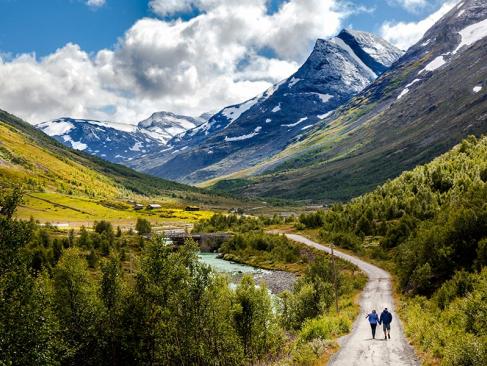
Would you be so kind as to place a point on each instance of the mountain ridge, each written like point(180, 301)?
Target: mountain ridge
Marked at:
point(244, 134)
point(429, 100)
point(117, 142)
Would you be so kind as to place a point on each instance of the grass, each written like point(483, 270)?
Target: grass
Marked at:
point(63, 185)
point(26, 162)
point(55, 207)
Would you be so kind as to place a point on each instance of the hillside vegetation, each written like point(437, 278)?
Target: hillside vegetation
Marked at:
point(62, 183)
point(430, 224)
point(103, 296)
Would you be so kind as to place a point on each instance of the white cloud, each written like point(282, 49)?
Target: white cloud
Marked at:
point(95, 3)
point(229, 53)
point(168, 7)
point(404, 35)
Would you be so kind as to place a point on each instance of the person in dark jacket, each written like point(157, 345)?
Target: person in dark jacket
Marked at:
point(385, 320)
point(373, 320)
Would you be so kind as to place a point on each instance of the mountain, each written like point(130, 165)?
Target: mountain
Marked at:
point(429, 100)
point(163, 126)
point(245, 134)
point(100, 139)
point(61, 181)
point(116, 142)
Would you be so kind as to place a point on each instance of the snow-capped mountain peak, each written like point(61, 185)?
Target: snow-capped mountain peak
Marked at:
point(242, 134)
point(165, 125)
point(115, 142)
point(118, 142)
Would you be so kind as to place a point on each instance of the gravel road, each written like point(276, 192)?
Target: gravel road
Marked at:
point(358, 348)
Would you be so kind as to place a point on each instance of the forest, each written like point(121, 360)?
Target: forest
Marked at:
point(103, 296)
point(428, 226)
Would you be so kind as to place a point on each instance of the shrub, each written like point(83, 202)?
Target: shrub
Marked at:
point(312, 220)
point(101, 227)
point(343, 240)
point(324, 327)
point(143, 227)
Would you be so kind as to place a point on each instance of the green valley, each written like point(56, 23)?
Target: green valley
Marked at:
point(181, 186)
point(63, 185)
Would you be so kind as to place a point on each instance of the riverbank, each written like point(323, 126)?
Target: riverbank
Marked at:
point(275, 280)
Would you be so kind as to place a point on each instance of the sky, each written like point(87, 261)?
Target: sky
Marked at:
point(122, 60)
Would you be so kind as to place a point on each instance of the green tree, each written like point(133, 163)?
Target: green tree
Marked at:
point(111, 295)
point(255, 322)
point(77, 307)
point(29, 333)
point(103, 226)
point(143, 227)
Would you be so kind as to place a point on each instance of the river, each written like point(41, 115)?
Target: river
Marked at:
point(276, 281)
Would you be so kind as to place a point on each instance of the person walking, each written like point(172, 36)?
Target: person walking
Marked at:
point(373, 320)
point(385, 320)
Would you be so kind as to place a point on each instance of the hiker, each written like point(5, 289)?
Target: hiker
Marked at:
point(385, 320)
point(373, 320)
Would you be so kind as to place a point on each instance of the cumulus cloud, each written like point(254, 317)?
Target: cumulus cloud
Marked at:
point(232, 51)
point(405, 34)
point(169, 7)
point(95, 3)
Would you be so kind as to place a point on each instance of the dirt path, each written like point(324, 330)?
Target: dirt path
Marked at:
point(358, 348)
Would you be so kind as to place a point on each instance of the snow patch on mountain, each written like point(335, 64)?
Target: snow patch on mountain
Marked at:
point(277, 108)
point(244, 137)
point(293, 82)
point(435, 64)
point(296, 123)
point(413, 82)
point(55, 129)
point(137, 146)
point(325, 98)
point(403, 93)
point(471, 34)
point(406, 88)
point(75, 144)
point(327, 114)
point(232, 113)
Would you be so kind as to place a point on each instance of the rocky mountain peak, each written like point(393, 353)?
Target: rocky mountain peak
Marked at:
point(374, 51)
point(166, 125)
point(243, 134)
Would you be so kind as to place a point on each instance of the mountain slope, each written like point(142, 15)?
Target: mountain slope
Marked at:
point(430, 99)
point(429, 225)
point(243, 135)
point(67, 184)
point(100, 139)
point(119, 143)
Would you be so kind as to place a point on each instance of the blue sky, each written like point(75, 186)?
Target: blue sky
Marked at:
point(121, 60)
point(44, 26)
